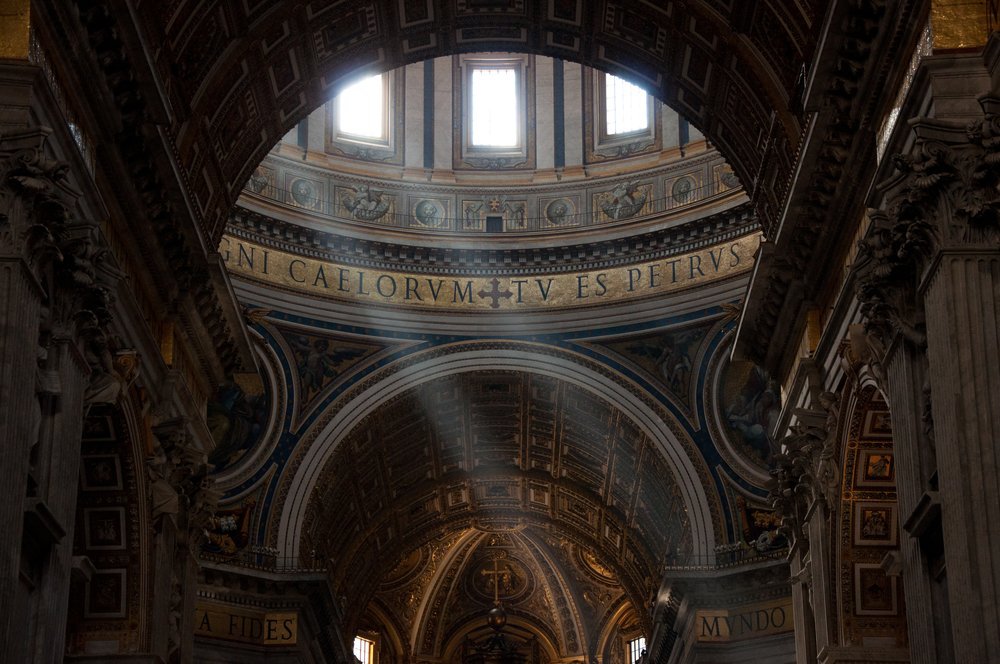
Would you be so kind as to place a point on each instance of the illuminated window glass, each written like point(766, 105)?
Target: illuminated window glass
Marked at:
point(635, 648)
point(361, 109)
point(364, 650)
point(626, 106)
point(494, 107)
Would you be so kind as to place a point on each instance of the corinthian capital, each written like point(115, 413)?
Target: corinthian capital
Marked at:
point(888, 269)
point(33, 190)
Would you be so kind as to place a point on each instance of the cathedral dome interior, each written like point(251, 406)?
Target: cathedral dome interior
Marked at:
point(499, 331)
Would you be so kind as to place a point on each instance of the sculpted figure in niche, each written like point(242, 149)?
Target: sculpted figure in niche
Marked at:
point(163, 498)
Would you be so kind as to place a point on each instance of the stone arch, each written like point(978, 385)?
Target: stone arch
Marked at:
point(865, 527)
point(732, 68)
point(687, 469)
point(113, 533)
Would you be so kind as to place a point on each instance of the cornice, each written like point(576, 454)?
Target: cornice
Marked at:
point(863, 53)
point(156, 199)
point(377, 254)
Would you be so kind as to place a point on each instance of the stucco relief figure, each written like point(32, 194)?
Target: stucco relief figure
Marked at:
point(470, 215)
point(228, 531)
point(318, 362)
point(754, 410)
point(258, 181)
point(366, 204)
point(624, 201)
point(675, 363)
point(516, 215)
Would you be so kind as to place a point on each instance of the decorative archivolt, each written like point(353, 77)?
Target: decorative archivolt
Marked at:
point(317, 445)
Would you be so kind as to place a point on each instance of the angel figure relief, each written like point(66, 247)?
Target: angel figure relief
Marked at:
point(366, 204)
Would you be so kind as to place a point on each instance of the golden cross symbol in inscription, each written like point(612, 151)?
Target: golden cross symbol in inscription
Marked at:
point(496, 574)
point(495, 294)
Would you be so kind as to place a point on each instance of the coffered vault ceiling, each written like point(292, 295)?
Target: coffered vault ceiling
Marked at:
point(497, 451)
point(234, 77)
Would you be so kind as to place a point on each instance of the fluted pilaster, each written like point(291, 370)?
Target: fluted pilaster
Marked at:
point(963, 339)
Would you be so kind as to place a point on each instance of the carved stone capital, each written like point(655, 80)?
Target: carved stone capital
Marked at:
point(179, 484)
point(69, 262)
point(944, 195)
point(888, 270)
point(806, 468)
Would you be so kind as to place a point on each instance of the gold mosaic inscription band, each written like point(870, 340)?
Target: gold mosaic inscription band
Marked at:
point(532, 291)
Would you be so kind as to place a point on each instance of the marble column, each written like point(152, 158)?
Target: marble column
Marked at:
point(53, 316)
point(927, 617)
point(822, 598)
point(58, 466)
point(892, 347)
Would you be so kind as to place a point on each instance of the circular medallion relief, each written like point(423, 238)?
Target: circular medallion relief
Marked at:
point(681, 191)
point(304, 193)
point(749, 401)
point(506, 575)
point(559, 211)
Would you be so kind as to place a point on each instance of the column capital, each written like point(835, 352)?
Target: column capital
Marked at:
point(806, 470)
point(944, 196)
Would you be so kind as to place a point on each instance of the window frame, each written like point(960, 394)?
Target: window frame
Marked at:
point(520, 155)
point(386, 149)
point(370, 638)
point(386, 136)
point(607, 136)
point(599, 145)
point(633, 656)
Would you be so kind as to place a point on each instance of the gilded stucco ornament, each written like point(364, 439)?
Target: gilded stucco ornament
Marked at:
point(625, 200)
point(366, 204)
